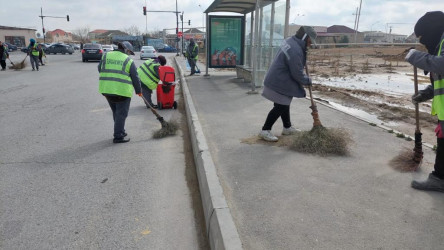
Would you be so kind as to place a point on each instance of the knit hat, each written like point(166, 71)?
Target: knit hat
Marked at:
point(429, 29)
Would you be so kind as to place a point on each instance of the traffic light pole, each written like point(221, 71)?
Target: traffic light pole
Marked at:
point(43, 27)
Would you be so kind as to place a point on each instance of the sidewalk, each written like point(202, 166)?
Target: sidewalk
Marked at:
point(281, 199)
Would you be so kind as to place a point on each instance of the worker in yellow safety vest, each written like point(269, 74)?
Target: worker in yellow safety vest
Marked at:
point(117, 82)
point(430, 31)
point(33, 54)
point(191, 54)
point(149, 76)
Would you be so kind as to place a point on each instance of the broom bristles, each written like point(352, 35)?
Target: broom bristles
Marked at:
point(322, 141)
point(168, 128)
point(404, 162)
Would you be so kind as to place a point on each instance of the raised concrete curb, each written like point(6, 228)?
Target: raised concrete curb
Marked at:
point(221, 231)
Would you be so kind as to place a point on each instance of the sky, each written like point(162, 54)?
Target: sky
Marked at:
point(381, 15)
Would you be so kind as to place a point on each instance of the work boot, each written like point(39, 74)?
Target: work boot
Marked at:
point(268, 136)
point(121, 140)
point(433, 183)
point(290, 131)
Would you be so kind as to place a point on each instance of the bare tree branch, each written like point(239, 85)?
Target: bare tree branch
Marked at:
point(81, 34)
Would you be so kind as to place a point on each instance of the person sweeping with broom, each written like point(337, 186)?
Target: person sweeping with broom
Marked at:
point(430, 30)
point(149, 76)
point(286, 79)
point(118, 80)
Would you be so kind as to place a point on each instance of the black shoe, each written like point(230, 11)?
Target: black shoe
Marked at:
point(433, 183)
point(152, 105)
point(191, 74)
point(121, 140)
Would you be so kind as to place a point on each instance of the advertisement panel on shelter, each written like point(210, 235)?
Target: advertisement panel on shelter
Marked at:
point(226, 41)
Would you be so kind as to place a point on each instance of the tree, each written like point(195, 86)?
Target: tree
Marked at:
point(81, 34)
point(133, 30)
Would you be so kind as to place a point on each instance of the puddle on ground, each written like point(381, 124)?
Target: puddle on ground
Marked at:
point(390, 83)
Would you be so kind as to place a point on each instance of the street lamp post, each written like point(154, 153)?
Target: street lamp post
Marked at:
point(43, 27)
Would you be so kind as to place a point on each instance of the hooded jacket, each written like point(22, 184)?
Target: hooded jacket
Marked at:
point(286, 74)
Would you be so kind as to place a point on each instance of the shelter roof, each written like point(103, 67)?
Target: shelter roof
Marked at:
point(240, 6)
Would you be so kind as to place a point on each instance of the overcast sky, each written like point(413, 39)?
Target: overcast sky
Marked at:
point(401, 15)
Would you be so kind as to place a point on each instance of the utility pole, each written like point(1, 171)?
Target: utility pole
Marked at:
point(181, 19)
point(177, 31)
point(43, 27)
point(357, 23)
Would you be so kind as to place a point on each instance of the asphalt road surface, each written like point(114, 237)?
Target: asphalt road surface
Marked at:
point(65, 185)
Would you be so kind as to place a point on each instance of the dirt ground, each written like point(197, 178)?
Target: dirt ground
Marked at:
point(394, 110)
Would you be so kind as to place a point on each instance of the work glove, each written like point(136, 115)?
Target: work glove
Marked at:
point(417, 98)
point(410, 54)
point(139, 94)
point(309, 83)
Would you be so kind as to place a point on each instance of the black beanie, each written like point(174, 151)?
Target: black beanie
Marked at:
point(430, 28)
point(162, 60)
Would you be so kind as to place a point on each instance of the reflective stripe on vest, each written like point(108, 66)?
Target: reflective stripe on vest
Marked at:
point(35, 52)
point(438, 95)
point(148, 75)
point(114, 74)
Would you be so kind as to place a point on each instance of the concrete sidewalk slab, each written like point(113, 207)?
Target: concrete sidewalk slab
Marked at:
point(281, 199)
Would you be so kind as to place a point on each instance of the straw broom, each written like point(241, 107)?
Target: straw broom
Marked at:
point(168, 128)
point(408, 160)
point(20, 65)
point(319, 139)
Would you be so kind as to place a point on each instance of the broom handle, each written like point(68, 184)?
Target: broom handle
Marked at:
point(415, 77)
point(10, 61)
point(152, 109)
point(309, 89)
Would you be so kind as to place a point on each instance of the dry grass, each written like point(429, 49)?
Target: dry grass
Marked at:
point(168, 128)
point(18, 66)
point(404, 161)
point(322, 141)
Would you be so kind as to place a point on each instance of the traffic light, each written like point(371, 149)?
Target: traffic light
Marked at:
point(144, 10)
point(67, 18)
point(189, 22)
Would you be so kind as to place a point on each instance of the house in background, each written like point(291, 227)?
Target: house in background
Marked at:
point(332, 34)
point(59, 36)
point(381, 37)
point(17, 36)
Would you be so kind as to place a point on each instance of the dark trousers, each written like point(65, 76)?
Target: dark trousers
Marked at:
point(277, 111)
point(439, 160)
point(3, 63)
point(40, 58)
point(120, 107)
point(34, 61)
point(192, 63)
point(146, 92)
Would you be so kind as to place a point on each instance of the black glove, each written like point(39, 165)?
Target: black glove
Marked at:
point(309, 83)
point(417, 98)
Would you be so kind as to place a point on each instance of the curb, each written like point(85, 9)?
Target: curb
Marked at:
point(221, 231)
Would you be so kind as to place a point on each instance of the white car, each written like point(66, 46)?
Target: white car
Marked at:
point(148, 52)
point(107, 48)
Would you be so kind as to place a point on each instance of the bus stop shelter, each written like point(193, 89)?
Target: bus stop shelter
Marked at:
point(265, 24)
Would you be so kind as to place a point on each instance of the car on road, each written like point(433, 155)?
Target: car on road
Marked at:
point(148, 52)
point(167, 48)
point(107, 48)
point(59, 48)
point(92, 51)
point(11, 47)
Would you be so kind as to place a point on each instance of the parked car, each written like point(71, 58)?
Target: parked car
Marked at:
point(107, 48)
point(167, 48)
point(92, 51)
point(11, 47)
point(59, 48)
point(148, 52)
point(115, 47)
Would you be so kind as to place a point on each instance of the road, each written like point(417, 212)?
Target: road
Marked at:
point(65, 185)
